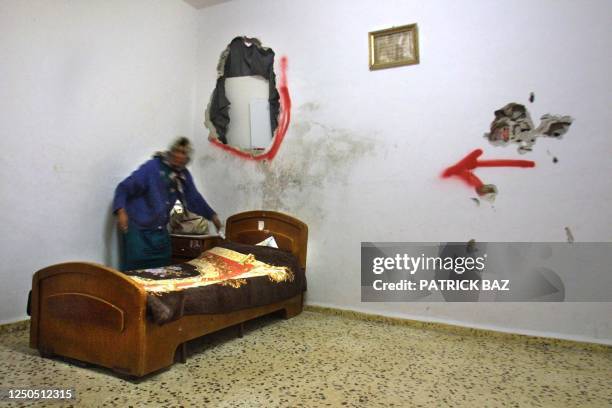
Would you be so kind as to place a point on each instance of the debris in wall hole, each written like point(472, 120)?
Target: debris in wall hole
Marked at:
point(569, 235)
point(513, 124)
point(476, 201)
point(487, 192)
point(531, 97)
point(554, 125)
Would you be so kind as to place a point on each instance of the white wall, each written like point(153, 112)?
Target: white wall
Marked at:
point(364, 150)
point(89, 90)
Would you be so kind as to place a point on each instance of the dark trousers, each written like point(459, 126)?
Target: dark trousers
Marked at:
point(145, 248)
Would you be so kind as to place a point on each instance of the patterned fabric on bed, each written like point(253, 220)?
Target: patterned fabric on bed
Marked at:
point(219, 296)
point(216, 266)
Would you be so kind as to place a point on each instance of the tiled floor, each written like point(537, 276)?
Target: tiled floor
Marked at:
point(324, 360)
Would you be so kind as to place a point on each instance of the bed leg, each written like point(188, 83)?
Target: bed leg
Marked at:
point(127, 377)
point(292, 307)
point(292, 311)
point(241, 330)
point(45, 353)
point(182, 352)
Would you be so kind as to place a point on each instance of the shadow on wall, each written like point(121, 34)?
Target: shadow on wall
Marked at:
point(111, 239)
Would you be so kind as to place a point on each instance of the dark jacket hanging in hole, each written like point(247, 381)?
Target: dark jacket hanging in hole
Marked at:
point(243, 60)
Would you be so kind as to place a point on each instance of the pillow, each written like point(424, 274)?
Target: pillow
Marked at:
point(269, 242)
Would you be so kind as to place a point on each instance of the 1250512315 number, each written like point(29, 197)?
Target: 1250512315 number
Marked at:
point(38, 393)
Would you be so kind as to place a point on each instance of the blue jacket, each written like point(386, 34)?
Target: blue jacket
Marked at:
point(147, 200)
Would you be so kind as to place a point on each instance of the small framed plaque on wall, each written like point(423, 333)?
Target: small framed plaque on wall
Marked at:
point(394, 47)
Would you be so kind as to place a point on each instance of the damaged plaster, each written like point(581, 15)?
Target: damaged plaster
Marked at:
point(568, 235)
point(487, 192)
point(513, 124)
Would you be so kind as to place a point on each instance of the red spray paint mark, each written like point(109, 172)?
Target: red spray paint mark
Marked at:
point(283, 122)
point(463, 168)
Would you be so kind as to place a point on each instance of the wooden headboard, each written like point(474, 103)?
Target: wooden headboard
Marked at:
point(252, 227)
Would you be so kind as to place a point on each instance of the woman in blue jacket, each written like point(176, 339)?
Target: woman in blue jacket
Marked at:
point(143, 202)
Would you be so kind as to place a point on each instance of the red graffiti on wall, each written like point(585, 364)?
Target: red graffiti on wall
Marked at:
point(463, 168)
point(283, 122)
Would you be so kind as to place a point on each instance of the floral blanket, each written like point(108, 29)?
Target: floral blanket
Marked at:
point(230, 277)
point(215, 266)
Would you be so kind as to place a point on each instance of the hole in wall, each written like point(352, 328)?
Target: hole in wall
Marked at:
point(247, 115)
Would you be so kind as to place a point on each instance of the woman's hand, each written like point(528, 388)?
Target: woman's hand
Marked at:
point(215, 219)
point(122, 220)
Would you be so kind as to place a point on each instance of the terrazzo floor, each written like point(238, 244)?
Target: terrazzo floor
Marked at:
point(316, 360)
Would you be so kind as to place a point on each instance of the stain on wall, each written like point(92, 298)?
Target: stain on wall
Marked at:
point(314, 155)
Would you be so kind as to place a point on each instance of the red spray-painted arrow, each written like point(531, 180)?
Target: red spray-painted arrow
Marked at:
point(463, 169)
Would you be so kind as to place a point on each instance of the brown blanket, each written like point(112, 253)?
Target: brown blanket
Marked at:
point(217, 298)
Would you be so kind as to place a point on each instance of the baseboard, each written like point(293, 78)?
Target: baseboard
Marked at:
point(419, 324)
point(463, 330)
point(15, 326)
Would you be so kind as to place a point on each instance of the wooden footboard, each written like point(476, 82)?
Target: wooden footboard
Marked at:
point(90, 313)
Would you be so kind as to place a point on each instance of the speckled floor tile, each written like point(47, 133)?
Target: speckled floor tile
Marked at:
point(318, 360)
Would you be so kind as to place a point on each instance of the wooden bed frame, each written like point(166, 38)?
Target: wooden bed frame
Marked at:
point(97, 315)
